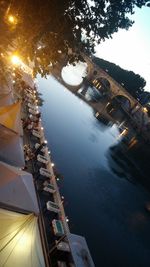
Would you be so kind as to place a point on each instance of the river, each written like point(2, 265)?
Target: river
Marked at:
point(102, 200)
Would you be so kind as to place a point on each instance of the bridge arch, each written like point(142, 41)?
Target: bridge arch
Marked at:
point(103, 85)
point(94, 72)
point(120, 101)
point(73, 74)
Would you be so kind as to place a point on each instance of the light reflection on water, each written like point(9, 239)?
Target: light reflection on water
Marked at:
point(101, 205)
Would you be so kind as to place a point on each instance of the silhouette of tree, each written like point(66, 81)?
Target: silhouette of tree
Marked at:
point(132, 82)
point(144, 98)
point(44, 29)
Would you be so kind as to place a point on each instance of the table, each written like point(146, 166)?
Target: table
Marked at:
point(45, 172)
point(37, 134)
point(33, 112)
point(42, 159)
point(43, 149)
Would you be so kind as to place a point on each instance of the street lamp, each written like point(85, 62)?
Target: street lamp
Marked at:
point(15, 60)
point(145, 110)
point(11, 19)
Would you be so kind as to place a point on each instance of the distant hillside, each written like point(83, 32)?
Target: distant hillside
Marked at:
point(132, 82)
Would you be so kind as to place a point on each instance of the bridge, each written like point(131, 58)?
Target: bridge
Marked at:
point(95, 73)
point(111, 92)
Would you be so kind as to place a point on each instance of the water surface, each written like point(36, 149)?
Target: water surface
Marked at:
point(101, 201)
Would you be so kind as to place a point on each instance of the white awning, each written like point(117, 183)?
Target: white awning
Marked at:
point(20, 243)
point(11, 147)
point(10, 117)
point(17, 189)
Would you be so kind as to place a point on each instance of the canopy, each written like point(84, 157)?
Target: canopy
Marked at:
point(11, 147)
point(17, 189)
point(20, 244)
point(10, 117)
point(6, 99)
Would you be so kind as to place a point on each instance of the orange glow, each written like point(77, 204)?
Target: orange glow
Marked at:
point(145, 110)
point(11, 19)
point(15, 60)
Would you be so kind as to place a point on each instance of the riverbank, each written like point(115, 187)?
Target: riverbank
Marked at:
point(38, 162)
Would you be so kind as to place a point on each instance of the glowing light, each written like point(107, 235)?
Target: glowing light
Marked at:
point(107, 104)
point(15, 60)
point(52, 164)
point(67, 220)
point(45, 142)
point(145, 109)
point(123, 133)
point(42, 128)
point(11, 19)
point(39, 47)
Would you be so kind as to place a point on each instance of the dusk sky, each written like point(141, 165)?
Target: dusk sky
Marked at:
point(131, 49)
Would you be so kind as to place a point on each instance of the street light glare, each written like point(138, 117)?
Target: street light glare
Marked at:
point(145, 109)
point(15, 60)
point(11, 19)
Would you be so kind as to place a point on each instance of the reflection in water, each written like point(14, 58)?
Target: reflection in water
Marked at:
point(93, 94)
point(131, 161)
point(108, 211)
point(121, 165)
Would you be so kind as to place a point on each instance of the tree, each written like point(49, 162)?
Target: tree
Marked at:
point(144, 98)
point(43, 29)
point(132, 82)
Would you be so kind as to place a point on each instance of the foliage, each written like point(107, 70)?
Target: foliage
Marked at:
point(144, 98)
point(132, 82)
point(42, 30)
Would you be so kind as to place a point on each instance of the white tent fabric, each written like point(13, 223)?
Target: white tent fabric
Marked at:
point(20, 244)
point(11, 147)
point(10, 117)
point(17, 189)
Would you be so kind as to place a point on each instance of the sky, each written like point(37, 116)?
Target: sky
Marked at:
point(131, 49)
